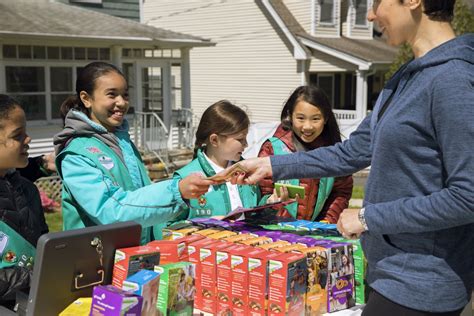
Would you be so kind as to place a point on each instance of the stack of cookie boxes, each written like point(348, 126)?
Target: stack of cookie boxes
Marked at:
point(249, 271)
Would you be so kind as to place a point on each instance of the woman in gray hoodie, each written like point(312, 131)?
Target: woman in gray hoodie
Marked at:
point(417, 223)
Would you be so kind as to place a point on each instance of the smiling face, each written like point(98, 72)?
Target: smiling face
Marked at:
point(13, 141)
point(395, 20)
point(225, 148)
point(307, 121)
point(109, 102)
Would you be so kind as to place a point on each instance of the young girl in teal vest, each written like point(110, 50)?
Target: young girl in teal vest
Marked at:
point(104, 179)
point(221, 138)
point(308, 122)
point(22, 219)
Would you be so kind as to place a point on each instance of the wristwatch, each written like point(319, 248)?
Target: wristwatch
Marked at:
point(362, 219)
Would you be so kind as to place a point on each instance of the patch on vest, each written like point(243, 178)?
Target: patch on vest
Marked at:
point(106, 162)
point(202, 201)
point(93, 150)
point(9, 256)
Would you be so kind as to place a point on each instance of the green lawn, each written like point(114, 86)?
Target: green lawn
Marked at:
point(358, 192)
point(54, 221)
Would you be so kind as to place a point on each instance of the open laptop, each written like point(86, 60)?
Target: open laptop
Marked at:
point(67, 265)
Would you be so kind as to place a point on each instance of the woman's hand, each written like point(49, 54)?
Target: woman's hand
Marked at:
point(282, 197)
point(349, 224)
point(256, 169)
point(193, 186)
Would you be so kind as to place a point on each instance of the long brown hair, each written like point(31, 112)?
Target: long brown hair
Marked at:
point(222, 118)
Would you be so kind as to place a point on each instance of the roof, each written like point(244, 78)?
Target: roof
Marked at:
point(359, 51)
point(369, 50)
point(44, 19)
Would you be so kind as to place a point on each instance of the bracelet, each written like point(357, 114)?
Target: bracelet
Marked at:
point(362, 219)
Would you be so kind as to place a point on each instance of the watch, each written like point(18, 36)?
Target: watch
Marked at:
point(362, 219)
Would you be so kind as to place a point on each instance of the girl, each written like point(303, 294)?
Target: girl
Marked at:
point(22, 220)
point(220, 141)
point(104, 179)
point(307, 122)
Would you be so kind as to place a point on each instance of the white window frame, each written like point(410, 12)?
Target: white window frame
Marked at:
point(366, 23)
point(47, 77)
point(333, 22)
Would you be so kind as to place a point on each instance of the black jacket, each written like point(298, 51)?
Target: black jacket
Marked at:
point(20, 208)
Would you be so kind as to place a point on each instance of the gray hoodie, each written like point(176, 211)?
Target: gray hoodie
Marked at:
point(419, 197)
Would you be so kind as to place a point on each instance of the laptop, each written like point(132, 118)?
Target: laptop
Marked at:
point(69, 264)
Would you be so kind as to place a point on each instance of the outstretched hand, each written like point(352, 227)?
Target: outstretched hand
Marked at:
point(256, 169)
point(194, 185)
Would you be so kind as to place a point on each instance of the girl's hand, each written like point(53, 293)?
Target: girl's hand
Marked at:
point(193, 186)
point(282, 197)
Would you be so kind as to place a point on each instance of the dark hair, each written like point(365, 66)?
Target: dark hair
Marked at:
point(438, 10)
point(315, 96)
point(7, 104)
point(86, 82)
point(223, 118)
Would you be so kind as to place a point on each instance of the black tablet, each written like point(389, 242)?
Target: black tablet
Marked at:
point(69, 264)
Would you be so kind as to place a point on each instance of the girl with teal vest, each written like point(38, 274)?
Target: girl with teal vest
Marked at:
point(308, 122)
point(220, 141)
point(104, 179)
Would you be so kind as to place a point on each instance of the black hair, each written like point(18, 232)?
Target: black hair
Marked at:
point(223, 118)
point(439, 10)
point(86, 82)
point(7, 104)
point(315, 96)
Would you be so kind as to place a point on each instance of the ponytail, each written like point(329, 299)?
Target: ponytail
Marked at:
point(73, 102)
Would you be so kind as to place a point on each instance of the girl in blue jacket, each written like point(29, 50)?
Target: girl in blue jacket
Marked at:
point(104, 179)
point(221, 138)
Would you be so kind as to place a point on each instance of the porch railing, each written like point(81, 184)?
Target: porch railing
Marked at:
point(151, 135)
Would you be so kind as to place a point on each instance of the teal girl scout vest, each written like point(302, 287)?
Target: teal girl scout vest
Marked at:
point(325, 184)
point(14, 249)
point(217, 201)
point(110, 164)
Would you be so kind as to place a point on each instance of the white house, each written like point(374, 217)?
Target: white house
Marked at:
point(266, 48)
point(43, 44)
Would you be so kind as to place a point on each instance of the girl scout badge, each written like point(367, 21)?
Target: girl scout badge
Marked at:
point(14, 249)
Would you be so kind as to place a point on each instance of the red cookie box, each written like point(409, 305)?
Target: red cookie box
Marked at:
point(171, 251)
point(240, 280)
point(224, 279)
point(287, 284)
point(128, 261)
point(203, 254)
point(258, 280)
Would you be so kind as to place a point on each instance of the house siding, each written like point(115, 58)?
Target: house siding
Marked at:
point(301, 10)
point(251, 65)
point(328, 63)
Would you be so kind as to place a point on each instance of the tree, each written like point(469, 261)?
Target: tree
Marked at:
point(462, 23)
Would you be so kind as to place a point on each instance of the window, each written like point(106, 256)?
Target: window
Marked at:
point(326, 12)
point(152, 89)
point(339, 87)
point(360, 7)
point(176, 93)
point(9, 51)
point(26, 84)
point(61, 88)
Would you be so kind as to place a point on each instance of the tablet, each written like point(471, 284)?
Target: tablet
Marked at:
point(67, 264)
